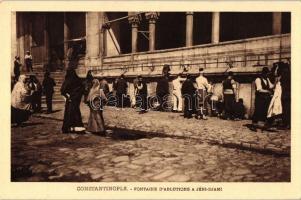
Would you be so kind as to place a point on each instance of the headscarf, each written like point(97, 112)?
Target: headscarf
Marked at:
point(19, 94)
point(94, 91)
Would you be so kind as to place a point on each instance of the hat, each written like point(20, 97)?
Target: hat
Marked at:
point(265, 70)
point(27, 51)
point(201, 69)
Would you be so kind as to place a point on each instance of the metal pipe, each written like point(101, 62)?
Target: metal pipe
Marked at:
point(121, 18)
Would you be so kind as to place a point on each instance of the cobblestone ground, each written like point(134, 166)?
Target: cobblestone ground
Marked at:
point(40, 152)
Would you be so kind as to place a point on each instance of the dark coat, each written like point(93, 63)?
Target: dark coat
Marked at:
point(73, 90)
point(48, 84)
point(121, 86)
point(17, 66)
point(162, 86)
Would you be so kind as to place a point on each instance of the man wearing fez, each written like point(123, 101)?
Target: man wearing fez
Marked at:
point(203, 87)
point(262, 98)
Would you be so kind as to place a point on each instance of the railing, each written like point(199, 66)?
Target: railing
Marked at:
point(261, 51)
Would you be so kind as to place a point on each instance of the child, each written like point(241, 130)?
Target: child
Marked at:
point(239, 109)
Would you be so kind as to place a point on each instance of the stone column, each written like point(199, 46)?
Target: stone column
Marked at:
point(21, 38)
point(189, 29)
point(66, 36)
point(277, 23)
point(46, 40)
point(26, 31)
point(215, 27)
point(134, 20)
point(93, 25)
point(152, 18)
point(14, 51)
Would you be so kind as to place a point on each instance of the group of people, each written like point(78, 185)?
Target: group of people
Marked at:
point(27, 96)
point(273, 97)
point(190, 95)
point(27, 91)
point(95, 94)
point(18, 65)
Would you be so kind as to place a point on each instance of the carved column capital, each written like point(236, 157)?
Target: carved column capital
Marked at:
point(134, 19)
point(152, 17)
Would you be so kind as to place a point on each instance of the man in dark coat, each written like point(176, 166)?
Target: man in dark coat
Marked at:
point(142, 94)
point(48, 84)
point(17, 66)
point(189, 94)
point(121, 91)
point(162, 91)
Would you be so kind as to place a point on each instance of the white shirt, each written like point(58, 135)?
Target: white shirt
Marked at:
point(176, 83)
point(202, 82)
point(259, 86)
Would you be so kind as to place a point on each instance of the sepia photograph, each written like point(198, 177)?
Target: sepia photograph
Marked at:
point(150, 100)
point(150, 96)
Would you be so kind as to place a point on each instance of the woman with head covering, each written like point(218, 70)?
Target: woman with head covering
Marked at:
point(275, 107)
point(20, 102)
point(72, 89)
point(96, 99)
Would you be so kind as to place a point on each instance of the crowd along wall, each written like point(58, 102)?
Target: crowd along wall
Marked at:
point(244, 57)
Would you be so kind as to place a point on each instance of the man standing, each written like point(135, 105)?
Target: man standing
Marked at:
point(262, 98)
point(48, 84)
point(229, 92)
point(121, 91)
point(142, 94)
point(28, 61)
point(177, 96)
point(203, 88)
point(17, 66)
point(162, 90)
point(188, 93)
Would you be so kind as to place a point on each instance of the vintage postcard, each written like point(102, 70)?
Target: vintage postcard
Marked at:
point(150, 100)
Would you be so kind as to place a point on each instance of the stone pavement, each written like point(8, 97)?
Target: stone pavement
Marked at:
point(40, 152)
point(213, 131)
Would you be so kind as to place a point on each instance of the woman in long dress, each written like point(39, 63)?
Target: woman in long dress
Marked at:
point(275, 107)
point(96, 99)
point(72, 89)
point(20, 102)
